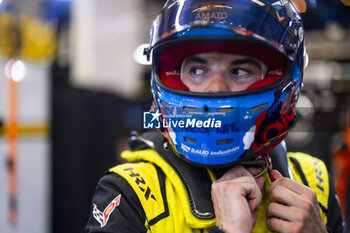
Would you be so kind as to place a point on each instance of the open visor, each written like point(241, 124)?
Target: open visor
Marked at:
point(271, 64)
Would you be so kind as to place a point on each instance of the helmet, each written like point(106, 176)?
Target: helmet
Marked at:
point(239, 125)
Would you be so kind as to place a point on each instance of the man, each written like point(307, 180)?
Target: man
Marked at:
point(225, 78)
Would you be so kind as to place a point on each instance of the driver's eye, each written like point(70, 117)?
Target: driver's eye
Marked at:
point(239, 72)
point(197, 71)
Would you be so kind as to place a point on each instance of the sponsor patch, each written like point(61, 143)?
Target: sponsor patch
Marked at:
point(102, 217)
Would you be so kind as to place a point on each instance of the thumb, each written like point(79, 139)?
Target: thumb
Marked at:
point(275, 175)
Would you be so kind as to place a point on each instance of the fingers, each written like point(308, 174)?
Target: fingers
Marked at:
point(283, 195)
point(239, 171)
point(235, 172)
point(276, 175)
point(235, 201)
point(252, 192)
point(254, 170)
point(293, 207)
point(240, 182)
point(244, 186)
point(288, 183)
point(261, 179)
point(287, 213)
point(278, 225)
point(288, 196)
point(284, 190)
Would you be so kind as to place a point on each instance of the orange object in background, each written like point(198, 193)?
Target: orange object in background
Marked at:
point(341, 167)
point(300, 5)
point(12, 135)
point(346, 2)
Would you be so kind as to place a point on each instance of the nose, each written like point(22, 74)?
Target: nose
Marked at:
point(217, 83)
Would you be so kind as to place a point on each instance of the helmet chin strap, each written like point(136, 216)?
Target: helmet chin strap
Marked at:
point(268, 165)
point(264, 162)
point(261, 161)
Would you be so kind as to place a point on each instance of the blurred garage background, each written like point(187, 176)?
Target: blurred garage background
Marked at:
point(73, 84)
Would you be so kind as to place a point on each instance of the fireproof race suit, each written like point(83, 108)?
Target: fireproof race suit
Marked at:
point(159, 192)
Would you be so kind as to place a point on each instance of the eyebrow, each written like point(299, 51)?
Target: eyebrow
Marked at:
point(236, 62)
point(246, 61)
point(196, 59)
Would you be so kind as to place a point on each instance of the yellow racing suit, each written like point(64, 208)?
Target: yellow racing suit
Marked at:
point(159, 192)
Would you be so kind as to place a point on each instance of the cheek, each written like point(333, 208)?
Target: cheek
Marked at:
point(241, 85)
point(190, 84)
point(186, 80)
point(238, 87)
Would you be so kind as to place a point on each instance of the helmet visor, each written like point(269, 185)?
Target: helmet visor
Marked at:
point(219, 67)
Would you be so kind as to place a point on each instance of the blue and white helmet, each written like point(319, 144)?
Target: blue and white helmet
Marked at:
point(219, 129)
